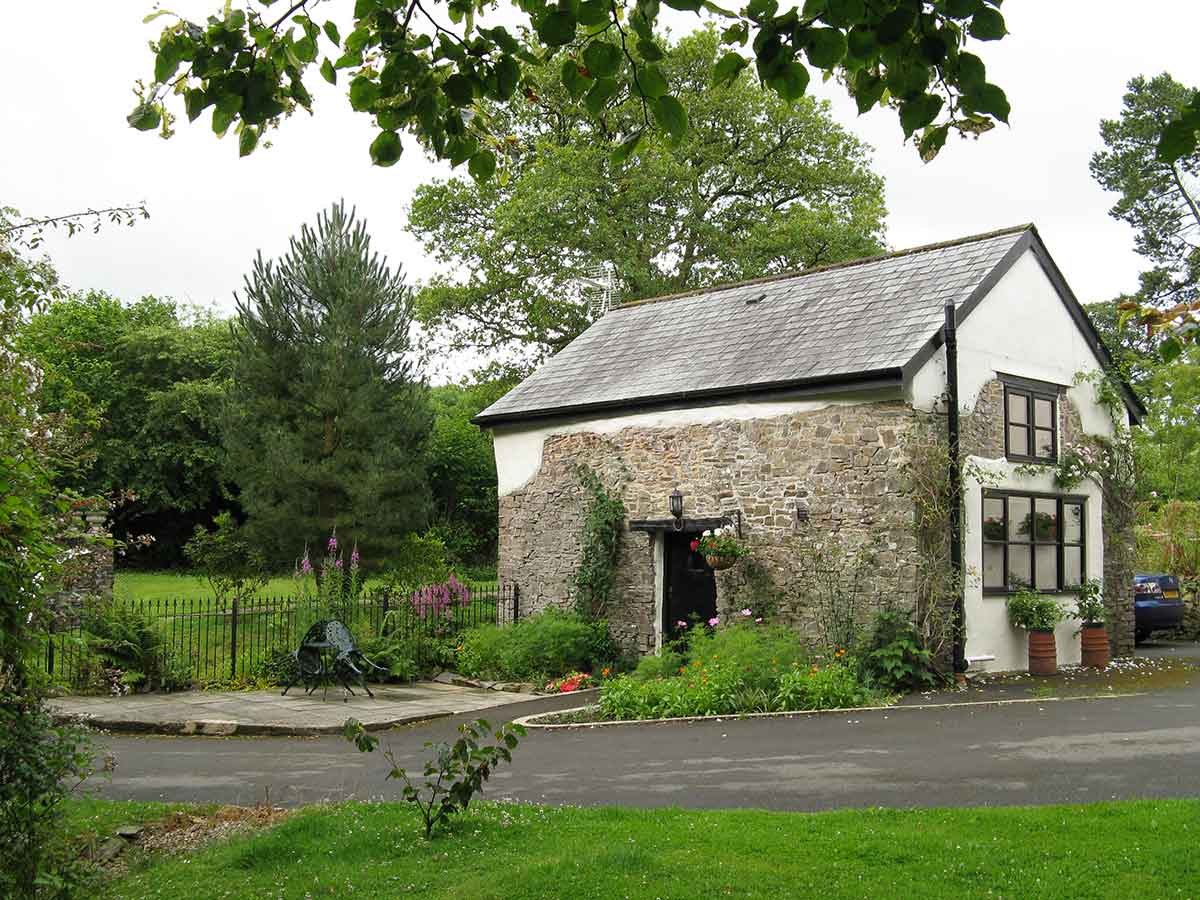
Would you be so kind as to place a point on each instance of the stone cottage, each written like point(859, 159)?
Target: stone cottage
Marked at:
point(790, 407)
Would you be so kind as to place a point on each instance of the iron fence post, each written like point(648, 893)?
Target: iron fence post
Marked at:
point(233, 623)
point(516, 603)
point(50, 650)
point(383, 622)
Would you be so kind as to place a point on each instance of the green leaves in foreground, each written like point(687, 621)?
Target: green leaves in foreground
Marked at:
point(427, 70)
point(454, 774)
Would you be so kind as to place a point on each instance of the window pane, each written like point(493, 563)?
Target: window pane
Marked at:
point(1045, 443)
point(993, 519)
point(1047, 520)
point(1043, 413)
point(1018, 409)
point(1019, 519)
point(1019, 571)
point(993, 565)
point(1018, 440)
point(1073, 526)
point(1047, 568)
point(1073, 566)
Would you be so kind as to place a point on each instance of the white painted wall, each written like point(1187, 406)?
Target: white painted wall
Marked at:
point(993, 645)
point(1020, 328)
point(519, 447)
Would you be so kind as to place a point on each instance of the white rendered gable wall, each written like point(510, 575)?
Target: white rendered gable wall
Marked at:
point(1020, 328)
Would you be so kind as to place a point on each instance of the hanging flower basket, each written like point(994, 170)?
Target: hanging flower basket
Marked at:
point(717, 563)
point(719, 548)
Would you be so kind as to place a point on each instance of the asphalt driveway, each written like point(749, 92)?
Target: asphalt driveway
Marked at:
point(1042, 752)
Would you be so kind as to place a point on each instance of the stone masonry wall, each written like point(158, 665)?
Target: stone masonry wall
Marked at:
point(841, 463)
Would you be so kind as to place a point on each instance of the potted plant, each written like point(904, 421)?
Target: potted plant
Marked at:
point(1038, 615)
point(1089, 608)
point(719, 547)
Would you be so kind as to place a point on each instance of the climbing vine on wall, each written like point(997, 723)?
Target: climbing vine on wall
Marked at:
point(938, 584)
point(600, 543)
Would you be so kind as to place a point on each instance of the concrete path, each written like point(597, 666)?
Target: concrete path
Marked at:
point(269, 713)
point(1053, 752)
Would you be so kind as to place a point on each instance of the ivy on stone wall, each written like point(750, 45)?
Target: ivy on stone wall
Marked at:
point(938, 584)
point(600, 545)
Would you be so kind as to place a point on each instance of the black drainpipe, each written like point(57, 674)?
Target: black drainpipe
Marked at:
point(950, 336)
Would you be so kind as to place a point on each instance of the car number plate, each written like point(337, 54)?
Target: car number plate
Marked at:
point(1170, 595)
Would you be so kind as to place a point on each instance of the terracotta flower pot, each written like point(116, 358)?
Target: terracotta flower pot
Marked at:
point(1043, 653)
point(720, 562)
point(1094, 640)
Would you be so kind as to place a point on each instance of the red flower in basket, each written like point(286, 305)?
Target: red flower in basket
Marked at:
point(695, 545)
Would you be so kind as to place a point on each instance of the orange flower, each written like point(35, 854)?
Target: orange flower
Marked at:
point(682, 669)
point(604, 672)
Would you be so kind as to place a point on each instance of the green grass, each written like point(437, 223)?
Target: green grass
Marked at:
point(184, 586)
point(88, 817)
point(1142, 848)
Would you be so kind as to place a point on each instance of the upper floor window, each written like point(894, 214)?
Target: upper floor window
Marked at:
point(1030, 424)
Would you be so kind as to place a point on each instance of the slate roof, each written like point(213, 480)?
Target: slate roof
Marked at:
point(840, 324)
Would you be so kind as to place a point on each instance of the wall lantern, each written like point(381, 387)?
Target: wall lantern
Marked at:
point(801, 513)
point(677, 508)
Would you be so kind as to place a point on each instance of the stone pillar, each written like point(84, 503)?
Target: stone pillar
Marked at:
point(1119, 565)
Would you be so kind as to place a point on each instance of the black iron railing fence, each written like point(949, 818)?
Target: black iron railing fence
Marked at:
point(219, 641)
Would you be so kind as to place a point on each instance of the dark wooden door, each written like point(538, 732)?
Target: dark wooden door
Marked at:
point(688, 584)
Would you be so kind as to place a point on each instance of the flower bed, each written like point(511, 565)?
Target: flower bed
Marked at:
point(742, 668)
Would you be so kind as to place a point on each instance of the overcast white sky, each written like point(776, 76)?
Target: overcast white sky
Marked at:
point(66, 70)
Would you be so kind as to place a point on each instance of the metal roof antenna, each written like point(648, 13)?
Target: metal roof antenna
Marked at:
point(598, 285)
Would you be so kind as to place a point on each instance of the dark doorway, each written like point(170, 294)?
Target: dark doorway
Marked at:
point(689, 588)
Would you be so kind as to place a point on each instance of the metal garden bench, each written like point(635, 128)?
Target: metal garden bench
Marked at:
point(328, 653)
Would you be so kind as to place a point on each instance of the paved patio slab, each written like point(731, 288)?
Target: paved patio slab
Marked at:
point(267, 712)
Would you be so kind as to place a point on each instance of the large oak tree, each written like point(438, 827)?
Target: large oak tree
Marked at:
point(756, 186)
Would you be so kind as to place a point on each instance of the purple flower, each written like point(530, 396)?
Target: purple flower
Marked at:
point(354, 555)
point(758, 621)
point(714, 621)
point(305, 565)
point(337, 563)
point(681, 624)
point(747, 612)
point(333, 541)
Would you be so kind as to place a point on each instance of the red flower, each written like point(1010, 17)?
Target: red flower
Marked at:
point(695, 545)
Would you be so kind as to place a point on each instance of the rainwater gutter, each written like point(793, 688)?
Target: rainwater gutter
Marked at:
point(950, 338)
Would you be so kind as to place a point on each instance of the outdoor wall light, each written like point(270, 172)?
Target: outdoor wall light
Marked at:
point(677, 508)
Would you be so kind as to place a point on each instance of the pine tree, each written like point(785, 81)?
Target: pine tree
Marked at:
point(328, 419)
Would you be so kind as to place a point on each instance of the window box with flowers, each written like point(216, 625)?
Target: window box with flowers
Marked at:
point(719, 547)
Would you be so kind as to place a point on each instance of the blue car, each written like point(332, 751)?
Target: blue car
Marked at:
point(1157, 604)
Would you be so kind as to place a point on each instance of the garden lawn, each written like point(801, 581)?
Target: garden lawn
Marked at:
point(182, 586)
point(1142, 848)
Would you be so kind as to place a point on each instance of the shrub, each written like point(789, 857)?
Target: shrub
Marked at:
point(235, 570)
point(39, 765)
point(455, 773)
point(1033, 611)
point(127, 646)
point(1089, 605)
point(835, 686)
point(700, 691)
point(418, 560)
point(894, 659)
point(276, 667)
point(664, 664)
point(544, 646)
point(395, 653)
point(761, 652)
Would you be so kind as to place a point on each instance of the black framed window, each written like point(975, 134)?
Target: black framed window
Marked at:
point(1032, 539)
point(1030, 424)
